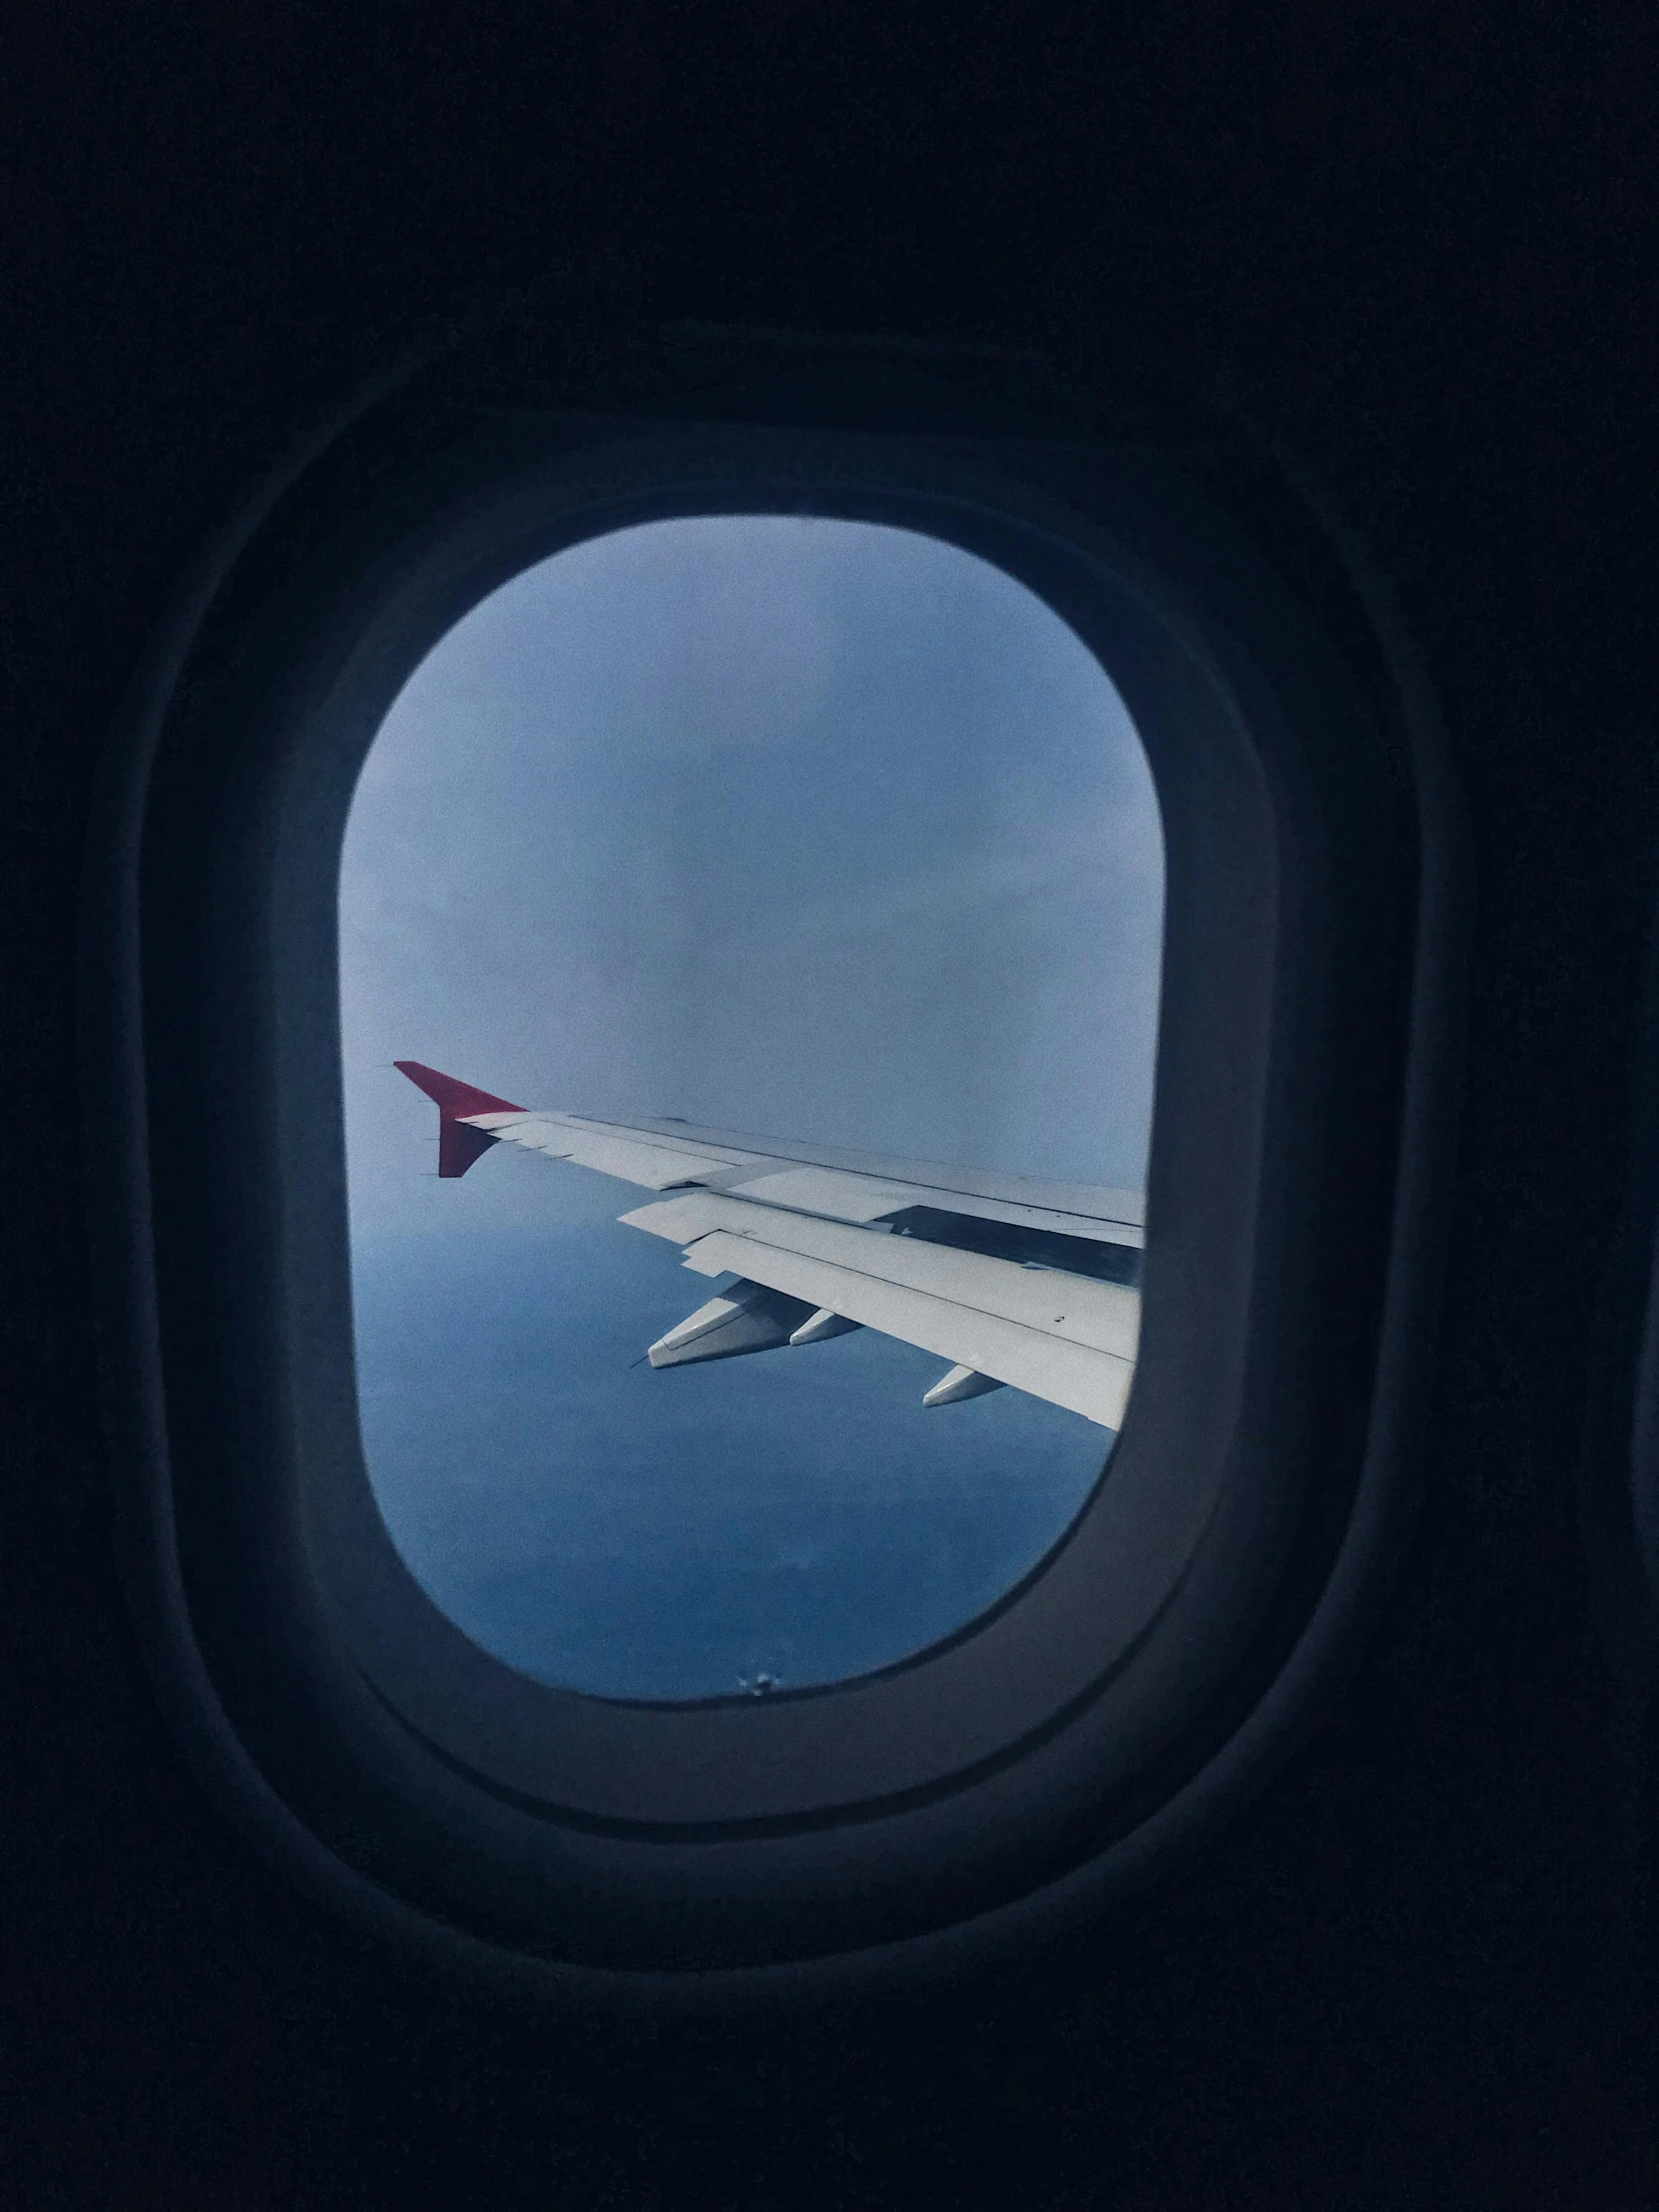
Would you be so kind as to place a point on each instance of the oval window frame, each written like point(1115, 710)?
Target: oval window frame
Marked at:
point(1015, 1764)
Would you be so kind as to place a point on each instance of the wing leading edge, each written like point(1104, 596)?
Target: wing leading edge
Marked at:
point(1012, 1280)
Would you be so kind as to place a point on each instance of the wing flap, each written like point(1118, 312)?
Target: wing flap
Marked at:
point(1064, 1338)
point(1081, 1377)
point(1099, 1317)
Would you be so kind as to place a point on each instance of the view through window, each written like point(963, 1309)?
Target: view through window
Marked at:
point(794, 887)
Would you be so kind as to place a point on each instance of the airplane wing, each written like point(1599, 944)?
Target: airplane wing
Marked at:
point(1012, 1280)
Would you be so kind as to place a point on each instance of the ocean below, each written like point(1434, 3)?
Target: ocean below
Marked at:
point(788, 1518)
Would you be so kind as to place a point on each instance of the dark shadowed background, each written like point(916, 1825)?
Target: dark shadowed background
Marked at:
point(1415, 247)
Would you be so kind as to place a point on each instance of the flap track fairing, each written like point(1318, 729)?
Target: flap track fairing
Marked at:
point(747, 1318)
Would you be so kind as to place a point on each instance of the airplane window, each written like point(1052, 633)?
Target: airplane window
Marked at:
point(749, 937)
point(711, 875)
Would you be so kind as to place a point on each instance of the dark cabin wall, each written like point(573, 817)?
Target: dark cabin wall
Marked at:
point(1416, 246)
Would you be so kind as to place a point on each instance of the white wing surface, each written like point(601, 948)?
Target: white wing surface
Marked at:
point(1012, 1280)
point(660, 1156)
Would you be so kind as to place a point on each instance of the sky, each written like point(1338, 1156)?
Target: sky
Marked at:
point(817, 830)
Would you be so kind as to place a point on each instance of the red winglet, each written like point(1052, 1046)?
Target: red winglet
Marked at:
point(452, 1097)
point(458, 1143)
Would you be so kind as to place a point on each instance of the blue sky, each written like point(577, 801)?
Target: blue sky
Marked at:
point(812, 829)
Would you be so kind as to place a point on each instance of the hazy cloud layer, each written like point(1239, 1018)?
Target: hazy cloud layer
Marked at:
point(818, 829)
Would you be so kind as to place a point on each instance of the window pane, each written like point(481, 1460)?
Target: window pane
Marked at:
point(836, 842)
